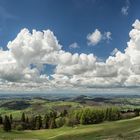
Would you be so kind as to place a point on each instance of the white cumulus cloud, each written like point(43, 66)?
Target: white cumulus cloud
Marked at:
point(21, 65)
point(96, 37)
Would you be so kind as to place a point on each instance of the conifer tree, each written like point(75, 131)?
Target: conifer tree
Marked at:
point(46, 121)
point(11, 118)
point(1, 119)
point(7, 124)
point(23, 117)
point(38, 122)
point(27, 120)
point(33, 123)
point(52, 123)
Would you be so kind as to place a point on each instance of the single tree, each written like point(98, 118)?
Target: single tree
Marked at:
point(7, 124)
point(38, 122)
point(46, 121)
point(1, 120)
point(27, 120)
point(23, 117)
point(33, 123)
point(52, 123)
point(11, 118)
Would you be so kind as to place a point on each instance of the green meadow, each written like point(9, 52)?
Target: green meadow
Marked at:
point(117, 130)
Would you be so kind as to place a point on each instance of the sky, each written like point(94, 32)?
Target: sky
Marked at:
point(51, 44)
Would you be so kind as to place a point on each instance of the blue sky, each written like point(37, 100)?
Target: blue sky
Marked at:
point(71, 21)
point(90, 28)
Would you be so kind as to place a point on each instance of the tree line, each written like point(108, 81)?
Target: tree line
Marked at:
point(53, 120)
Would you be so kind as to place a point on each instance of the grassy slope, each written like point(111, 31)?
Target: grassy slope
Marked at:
point(124, 129)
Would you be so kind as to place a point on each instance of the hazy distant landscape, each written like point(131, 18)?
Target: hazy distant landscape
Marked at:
point(41, 102)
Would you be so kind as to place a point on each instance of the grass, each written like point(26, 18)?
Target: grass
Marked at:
point(118, 130)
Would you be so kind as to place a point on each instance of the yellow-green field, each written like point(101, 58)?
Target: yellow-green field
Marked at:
point(118, 130)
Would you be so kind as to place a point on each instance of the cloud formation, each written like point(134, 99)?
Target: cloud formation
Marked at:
point(124, 9)
point(107, 36)
point(21, 65)
point(74, 45)
point(96, 37)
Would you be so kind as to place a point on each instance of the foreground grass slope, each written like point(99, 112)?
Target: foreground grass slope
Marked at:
point(118, 130)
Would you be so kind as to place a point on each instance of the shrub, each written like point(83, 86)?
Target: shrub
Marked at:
point(60, 122)
point(19, 127)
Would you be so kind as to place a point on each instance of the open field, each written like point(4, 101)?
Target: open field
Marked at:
point(118, 130)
